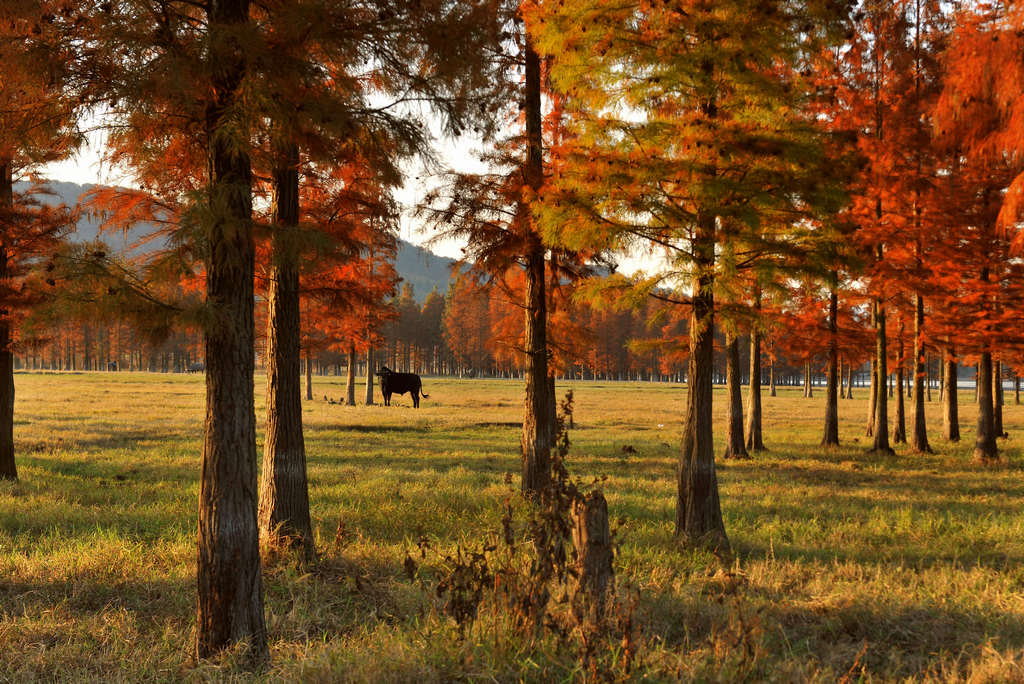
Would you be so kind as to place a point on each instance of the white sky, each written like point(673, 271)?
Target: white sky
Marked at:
point(87, 167)
point(461, 155)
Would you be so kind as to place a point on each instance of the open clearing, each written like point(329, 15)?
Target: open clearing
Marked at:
point(846, 564)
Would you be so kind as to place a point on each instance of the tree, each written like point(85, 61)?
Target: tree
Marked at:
point(687, 134)
point(37, 125)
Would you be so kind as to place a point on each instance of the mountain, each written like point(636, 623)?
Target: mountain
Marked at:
point(417, 266)
point(423, 269)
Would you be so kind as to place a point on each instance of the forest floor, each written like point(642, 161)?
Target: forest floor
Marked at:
point(847, 566)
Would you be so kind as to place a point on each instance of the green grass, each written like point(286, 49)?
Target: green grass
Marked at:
point(886, 569)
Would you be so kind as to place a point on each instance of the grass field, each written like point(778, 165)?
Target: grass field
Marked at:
point(847, 565)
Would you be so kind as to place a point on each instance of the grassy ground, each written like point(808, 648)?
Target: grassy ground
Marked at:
point(847, 565)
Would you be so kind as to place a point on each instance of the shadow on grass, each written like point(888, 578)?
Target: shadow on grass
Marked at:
point(894, 641)
point(85, 596)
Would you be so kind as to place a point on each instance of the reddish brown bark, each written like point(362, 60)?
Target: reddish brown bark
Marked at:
point(230, 587)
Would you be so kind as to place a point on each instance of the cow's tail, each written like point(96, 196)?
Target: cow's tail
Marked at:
point(422, 393)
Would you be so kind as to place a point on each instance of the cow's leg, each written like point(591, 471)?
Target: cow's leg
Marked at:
point(415, 399)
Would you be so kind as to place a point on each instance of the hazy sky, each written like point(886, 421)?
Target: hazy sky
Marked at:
point(87, 167)
point(462, 155)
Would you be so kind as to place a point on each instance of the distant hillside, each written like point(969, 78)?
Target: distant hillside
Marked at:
point(423, 269)
point(417, 266)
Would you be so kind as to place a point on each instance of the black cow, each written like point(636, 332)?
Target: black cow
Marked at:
point(400, 383)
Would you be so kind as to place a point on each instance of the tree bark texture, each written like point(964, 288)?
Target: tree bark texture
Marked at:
point(997, 398)
point(919, 434)
point(873, 399)
point(538, 433)
point(370, 370)
point(950, 413)
point(350, 377)
point(309, 377)
point(735, 447)
point(985, 450)
point(698, 510)
point(771, 377)
point(881, 422)
point(808, 389)
point(591, 535)
point(8, 466)
point(230, 588)
point(755, 440)
point(284, 490)
point(831, 436)
point(899, 428)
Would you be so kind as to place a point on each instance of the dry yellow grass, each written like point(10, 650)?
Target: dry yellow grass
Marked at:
point(847, 565)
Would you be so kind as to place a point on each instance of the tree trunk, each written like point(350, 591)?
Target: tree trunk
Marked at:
point(230, 587)
point(997, 398)
point(919, 435)
point(755, 441)
point(309, 377)
point(8, 467)
point(284, 490)
point(873, 399)
point(928, 380)
point(350, 377)
point(831, 436)
point(950, 413)
point(881, 423)
point(808, 389)
point(591, 536)
point(899, 428)
point(985, 450)
point(849, 381)
point(942, 379)
point(1016, 384)
point(370, 370)
point(734, 444)
point(538, 433)
point(698, 510)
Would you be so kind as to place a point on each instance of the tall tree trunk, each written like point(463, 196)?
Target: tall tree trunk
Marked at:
point(698, 510)
point(552, 398)
point(808, 390)
point(1016, 384)
point(942, 378)
point(928, 378)
point(537, 430)
point(8, 467)
point(881, 425)
point(950, 413)
point(831, 436)
point(997, 398)
point(755, 441)
point(284, 489)
point(350, 377)
point(734, 444)
point(899, 428)
point(873, 391)
point(230, 586)
point(370, 370)
point(919, 435)
point(309, 377)
point(985, 450)
point(771, 377)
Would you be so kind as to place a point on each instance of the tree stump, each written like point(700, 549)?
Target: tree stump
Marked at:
point(593, 541)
